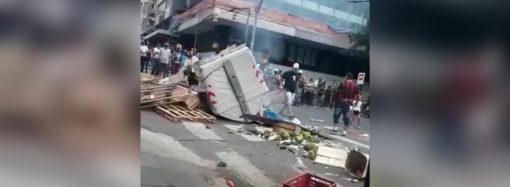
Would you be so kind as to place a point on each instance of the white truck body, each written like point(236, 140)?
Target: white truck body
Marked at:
point(232, 78)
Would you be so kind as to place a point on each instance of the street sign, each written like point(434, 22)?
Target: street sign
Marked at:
point(361, 78)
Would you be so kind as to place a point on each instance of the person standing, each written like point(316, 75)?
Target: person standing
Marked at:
point(166, 54)
point(309, 92)
point(300, 89)
point(176, 61)
point(184, 59)
point(347, 92)
point(356, 110)
point(289, 83)
point(193, 61)
point(327, 97)
point(320, 92)
point(144, 58)
point(156, 53)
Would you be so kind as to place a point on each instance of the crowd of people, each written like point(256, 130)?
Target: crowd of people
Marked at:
point(317, 93)
point(166, 60)
point(345, 99)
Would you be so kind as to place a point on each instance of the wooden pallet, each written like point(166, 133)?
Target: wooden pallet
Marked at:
point(178, 113)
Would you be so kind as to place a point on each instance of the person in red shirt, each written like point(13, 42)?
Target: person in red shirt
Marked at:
point(347, 93)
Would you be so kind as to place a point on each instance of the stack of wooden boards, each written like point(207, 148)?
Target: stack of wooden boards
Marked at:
point(146, 77)
point(175, 102)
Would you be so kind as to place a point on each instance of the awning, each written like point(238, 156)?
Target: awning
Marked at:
point(159, 34)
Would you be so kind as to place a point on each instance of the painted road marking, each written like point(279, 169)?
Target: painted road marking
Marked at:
point(200, 131)
point(245, 169)
point(250, 137)
point(165, 146)
point(351, 141)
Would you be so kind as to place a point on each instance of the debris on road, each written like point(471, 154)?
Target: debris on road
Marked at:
point(293, 148)
point(356, 164)
point(317, 120)
point(252, 129)
point(231, 131)
point(331, 156)
point(350, 179)
point(173, 101)
point(222, 164)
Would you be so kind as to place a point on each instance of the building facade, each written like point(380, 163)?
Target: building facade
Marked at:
point(313, 33)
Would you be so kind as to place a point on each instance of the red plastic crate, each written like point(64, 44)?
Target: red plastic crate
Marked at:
point(309, 180)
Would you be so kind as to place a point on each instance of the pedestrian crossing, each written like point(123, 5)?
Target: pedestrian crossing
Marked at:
point(200, 131)
point(249, 137)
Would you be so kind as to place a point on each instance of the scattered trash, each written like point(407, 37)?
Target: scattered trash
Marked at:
point(241, 129)
point(252, 129)
point(221, 164)
point(296, 121)
point(317, 120)
point(365, 135)
point(331, 156)
point(283, 147)
point(267, 134)
point(272, 137)
point(285, 142)
point(331, 174)
point(207, 127)
point(231, 132)
point(293, 148)
point(350, 179)
point(306, 154)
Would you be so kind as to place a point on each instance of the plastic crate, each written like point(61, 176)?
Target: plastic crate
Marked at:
point(309, 180)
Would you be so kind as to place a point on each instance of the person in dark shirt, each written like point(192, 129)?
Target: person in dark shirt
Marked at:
point(289, 83)
point(347, 92)
point(321, 88)
point(327, 97)
point(300, 89)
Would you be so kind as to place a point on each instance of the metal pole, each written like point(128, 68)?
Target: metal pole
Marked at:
point(255, 24)
point(247, 27)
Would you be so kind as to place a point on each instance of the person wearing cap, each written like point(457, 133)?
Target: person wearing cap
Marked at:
point(289, 83)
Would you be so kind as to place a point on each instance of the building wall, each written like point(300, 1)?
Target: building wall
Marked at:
point(340, 14)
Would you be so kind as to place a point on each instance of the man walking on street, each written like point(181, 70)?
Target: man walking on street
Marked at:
point(347, 93)
point(290, 79)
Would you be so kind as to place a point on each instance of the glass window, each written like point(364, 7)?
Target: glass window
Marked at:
point(308, 54)
point(314, 57)
point(326, 10)
point(300, 57)
point(310, 5)
point(292, 53)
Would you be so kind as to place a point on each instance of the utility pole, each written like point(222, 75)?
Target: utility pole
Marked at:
point(247, 26)
point(257, 9)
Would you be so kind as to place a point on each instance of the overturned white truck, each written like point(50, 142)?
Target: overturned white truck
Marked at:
point(233, 83)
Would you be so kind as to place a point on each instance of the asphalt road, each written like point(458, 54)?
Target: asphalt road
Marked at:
point(186, 154)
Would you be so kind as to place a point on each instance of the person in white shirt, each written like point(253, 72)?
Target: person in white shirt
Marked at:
point(156, 53)
point(356, 110)
point(193, 61)
point(165, 59)
point(144, 58)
